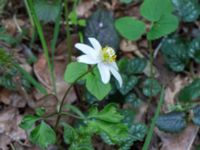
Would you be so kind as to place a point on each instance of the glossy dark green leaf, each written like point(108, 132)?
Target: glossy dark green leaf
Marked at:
point(188, 10)
point(133, 100)
point(43, 135)
point(136, 66)
point(130, 28)
point(196, 115)
point(101, 26)
point(172, 122)
point(128, 84)
point(194, 50)
point(129, 116)
point(190, 92)
point(175, 51)
point(151, 87)
point(47, 11)
point(28, 121)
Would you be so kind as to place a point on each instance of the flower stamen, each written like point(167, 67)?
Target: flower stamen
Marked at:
point(108, 54)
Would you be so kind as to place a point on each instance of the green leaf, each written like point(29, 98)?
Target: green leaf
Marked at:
point(95, 86)
point(137, 132)
point(172, 122)
point(167, 24)
point(175, 52)
point(133, 100)
point(190, 92)
point(130, 28)
point(101, 26)
point(43, 135)
point(74, 71)
point(153, 10)
point(129, 116)
point(196, 115)
point(194, 50)
point(126, 1)
point(40, 111)
point(188, 10)
point(135, 65)
point(129, 83)
point(47, 11)
point(28, 121)
point(69, 134)
point(73, 109)
point(151, 87)
point(108, 114)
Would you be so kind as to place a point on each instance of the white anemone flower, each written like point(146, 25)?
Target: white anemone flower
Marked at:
point(104, 58)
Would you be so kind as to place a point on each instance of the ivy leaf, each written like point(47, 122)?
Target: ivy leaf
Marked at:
point(175, 52)
point(47, 11)
point(130, 28)
point(190, 92)
point(151, 87)
point(188, 10)
point(74, 71)
point(95, 86)
point(136, 66)
point(43, 135)
point(196, 115)
point(194, 50)
point(129, 83)
point(69, 133)
point(167, 24)
point(108, 114)
point(172, 122)
point(133, 100)
point(101, 26)
point(153, 10)
point(28, 121)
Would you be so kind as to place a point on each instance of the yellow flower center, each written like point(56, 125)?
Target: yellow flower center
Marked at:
point(108, 54)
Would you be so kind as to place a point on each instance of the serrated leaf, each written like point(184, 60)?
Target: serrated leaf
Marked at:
point(153, 10)
point(128, 84)
point(43, 135)
point(101, 26)
point(95, 86)
point(190, 92)
point(108, 114)
point(47, 11)
point(167, 24)
point(74, 71)
point(172, 122)
point(188, 10)
point(130, 28)
point(151, 87)
point(194, 50)
point(175, 52)
point(196, 115)
point(28, 121)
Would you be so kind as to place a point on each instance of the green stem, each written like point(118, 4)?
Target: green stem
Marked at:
point(69, 38)
point(153, 122)
point(41, 36)
point(65, 96)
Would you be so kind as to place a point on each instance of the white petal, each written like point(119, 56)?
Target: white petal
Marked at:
point(104, 72)
point(117, 76)
point(86, 60)
point(114, 65)
point(86, 49)
point(96, 45)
